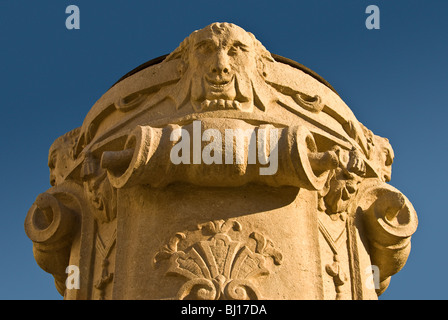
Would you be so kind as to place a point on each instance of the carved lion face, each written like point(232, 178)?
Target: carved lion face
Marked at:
point(221, 58)
point(219, 64)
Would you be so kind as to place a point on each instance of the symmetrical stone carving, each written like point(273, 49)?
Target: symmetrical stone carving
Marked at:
point(221, 172)
point(220, 268)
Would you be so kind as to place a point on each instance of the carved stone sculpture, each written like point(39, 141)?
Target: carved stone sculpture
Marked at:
point(221, 171)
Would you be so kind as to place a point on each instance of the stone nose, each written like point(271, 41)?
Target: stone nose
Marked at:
point(52, 179)
point(220, 65)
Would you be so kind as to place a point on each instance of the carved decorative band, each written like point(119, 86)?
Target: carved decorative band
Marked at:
point(292, 160)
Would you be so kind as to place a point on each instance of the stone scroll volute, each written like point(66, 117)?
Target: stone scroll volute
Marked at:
point(221, 171)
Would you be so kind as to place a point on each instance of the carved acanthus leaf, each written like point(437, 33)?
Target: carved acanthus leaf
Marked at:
point(219, 268)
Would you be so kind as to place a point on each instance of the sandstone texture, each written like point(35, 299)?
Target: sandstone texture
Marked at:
point(221, 171)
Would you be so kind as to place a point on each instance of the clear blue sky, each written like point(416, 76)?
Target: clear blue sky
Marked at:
point(395, 80)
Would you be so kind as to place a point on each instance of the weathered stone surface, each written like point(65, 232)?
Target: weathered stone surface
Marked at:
point(221, 173)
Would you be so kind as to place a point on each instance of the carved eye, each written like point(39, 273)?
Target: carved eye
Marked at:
point(52, 162)
point(232, 51)
point(205, 48)
point(236, 48)
point(243, 48)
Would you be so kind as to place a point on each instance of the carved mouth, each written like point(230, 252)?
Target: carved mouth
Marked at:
point(218, 84)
